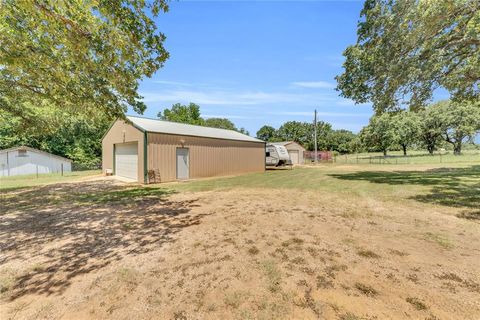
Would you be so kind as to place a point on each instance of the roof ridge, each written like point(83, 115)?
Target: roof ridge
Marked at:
point(31, 149)
point(189, 124)
point(171, 127)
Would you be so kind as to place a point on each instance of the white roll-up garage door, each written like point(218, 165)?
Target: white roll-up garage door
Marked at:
point(294, 156)
point(126, 160)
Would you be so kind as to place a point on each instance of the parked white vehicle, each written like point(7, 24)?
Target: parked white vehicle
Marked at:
point(276, 156)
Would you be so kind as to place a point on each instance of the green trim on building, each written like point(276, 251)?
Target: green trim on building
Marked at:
point(145, 154)
point(113, 160)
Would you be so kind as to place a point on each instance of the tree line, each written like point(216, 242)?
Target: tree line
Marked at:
point(190, 114)
point(68, 69)
point(73, 136)
point(444, 122)
point(342, 141)
point(439, 125)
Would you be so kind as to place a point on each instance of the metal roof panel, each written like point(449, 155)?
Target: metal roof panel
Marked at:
point(162, 126)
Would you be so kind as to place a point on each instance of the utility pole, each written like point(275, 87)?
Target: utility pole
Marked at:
point(315, 135)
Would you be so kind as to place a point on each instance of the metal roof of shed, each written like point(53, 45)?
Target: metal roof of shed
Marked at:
point(35, 150)
point(162, 126)
point(286, 143)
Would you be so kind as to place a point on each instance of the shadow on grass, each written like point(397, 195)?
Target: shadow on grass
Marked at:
point(73, 229)
point(454, 187)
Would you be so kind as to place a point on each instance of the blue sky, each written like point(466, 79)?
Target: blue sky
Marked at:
point(257, 62)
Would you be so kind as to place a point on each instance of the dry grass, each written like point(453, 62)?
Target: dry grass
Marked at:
point(417, 303)
point(328, 242)
point(366, 289)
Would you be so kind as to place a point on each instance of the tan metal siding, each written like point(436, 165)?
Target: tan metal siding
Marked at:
point(296, 147)
point(208, 157)
point(122, 132)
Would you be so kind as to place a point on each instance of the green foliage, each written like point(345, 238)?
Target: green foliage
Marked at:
point(78, 56)
point(303, 133)
point(76, 137)
point(406, 126)
point(380, 133)
point(300, 132)
point(244, 131)
point(343, 141)
point(407, 48)
point(430, 134)
point(459, 121)
point(442, 122)
point(221, 123)
point(182, 113)
point(266, 133)
point(191, 115)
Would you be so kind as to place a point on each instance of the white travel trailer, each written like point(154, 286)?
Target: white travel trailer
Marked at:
point(276, 156)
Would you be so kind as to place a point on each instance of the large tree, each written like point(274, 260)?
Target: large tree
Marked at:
point(183, 113)
point(459, 122)
point(303, 133)
point(266, 133)
point(430, 127)
point(406, 125)
point(343, 141)
point(81, 56)
point(77, 137)
point(191, 114)
point(408, 48)
point(221, 123)
point(300, 132)
point(380, 133)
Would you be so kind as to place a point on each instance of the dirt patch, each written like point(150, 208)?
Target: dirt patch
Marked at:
point(99, 249)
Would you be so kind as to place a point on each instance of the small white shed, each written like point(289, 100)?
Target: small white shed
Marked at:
point(295, 150)
point(25, 160)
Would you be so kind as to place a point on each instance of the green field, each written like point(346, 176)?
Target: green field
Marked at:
point(33, 180)
point(413, 157)
point(455, 185)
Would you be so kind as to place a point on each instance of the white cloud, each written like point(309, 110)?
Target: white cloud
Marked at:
point(351, 103)
point(322, 114)
point(225, 116)
point(223, 97)
point(314, 84)
point(172, 83)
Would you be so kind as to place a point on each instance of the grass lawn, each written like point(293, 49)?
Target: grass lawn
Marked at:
point(33, 180)
point(329, 242)
point(413, 157)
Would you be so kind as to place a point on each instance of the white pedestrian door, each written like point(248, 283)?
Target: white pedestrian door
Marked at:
point(126, 160)
point(183, 164)
point(294, 156)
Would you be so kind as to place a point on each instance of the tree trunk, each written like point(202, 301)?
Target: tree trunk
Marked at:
point(457, 148)
point(384, 153)
point(430, 149)
point(404, 149)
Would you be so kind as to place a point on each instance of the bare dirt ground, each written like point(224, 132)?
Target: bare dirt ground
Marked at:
point(106, 250)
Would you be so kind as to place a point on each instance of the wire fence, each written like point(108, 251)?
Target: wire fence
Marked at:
point(416, 158)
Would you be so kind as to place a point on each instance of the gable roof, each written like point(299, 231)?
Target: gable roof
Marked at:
point(35, 150)
point(286, 143)
point(162, 126)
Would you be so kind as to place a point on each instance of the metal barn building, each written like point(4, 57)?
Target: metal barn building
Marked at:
point(295, 150)
point(25, 160)
point(149, 150)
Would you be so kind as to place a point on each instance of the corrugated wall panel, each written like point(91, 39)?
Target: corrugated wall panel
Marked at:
point(122, 132)
point(208, 157)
